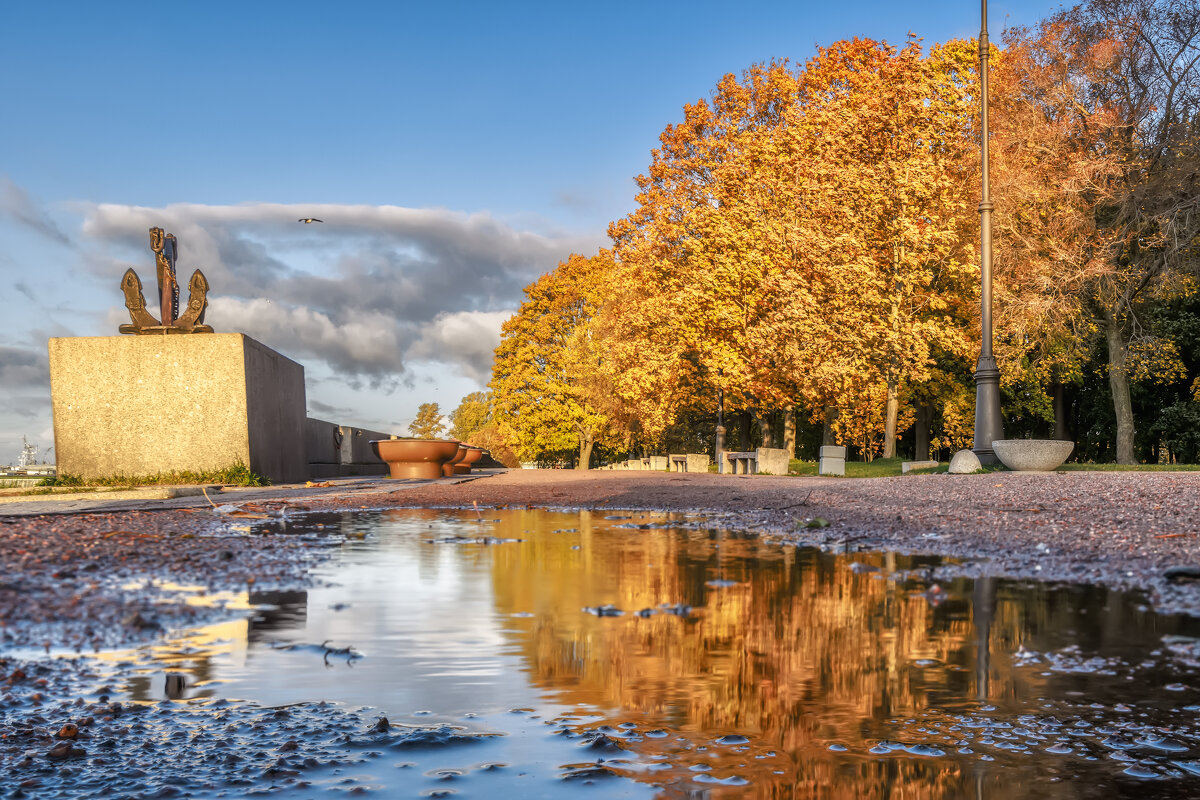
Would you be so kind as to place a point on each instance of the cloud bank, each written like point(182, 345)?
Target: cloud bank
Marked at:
point(16, 203)
point(365, 292)
point(23, 368)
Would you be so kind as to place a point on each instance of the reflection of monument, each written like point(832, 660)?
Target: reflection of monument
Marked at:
point(166, 249)
point(276, 611)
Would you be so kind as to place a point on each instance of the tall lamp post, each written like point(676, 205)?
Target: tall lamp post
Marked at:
point(720, 444)
point(989, 426)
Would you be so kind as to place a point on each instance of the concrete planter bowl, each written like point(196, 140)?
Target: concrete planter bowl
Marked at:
point(1032, 455)
point(415, 458)
point(448, 467)
point(464, 464)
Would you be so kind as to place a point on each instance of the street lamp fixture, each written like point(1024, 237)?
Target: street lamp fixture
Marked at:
point(989, 426)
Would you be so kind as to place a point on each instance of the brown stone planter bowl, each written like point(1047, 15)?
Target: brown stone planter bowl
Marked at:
point(1032, 455)
point(415, 458)
point(464, 464)
point(448, 467)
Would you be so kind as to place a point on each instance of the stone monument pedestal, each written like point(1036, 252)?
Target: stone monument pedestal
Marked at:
point(141, 405)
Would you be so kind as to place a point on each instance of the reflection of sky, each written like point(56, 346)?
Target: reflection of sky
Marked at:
point(422, 615)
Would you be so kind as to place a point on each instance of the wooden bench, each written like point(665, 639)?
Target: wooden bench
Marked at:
point(748, 461)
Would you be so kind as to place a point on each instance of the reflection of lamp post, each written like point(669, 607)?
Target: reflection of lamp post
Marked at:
point(720, 448)
point(988, 424)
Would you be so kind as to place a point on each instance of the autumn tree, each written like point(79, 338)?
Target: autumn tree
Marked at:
point(882, 216)
point(474, 422)
point(428, 422)
point(1104, 171)
point(799, 237)
point(549, 393)
point(696, 252)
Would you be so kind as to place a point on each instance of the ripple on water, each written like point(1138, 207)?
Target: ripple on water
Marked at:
point(732, 738)
point(732, 780)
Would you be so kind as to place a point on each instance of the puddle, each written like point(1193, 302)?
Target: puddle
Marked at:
point(540, 654)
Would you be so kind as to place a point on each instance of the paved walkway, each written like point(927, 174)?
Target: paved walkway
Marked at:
point(17, 503)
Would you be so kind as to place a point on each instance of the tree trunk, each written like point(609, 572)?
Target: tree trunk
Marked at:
point(827, 437)
point(746, 434)
point(889, 423)
point(789, 431)
point(764, 426)
point(1118, 381)
point(1059, 397)
point(585, 452)
point(924, 422)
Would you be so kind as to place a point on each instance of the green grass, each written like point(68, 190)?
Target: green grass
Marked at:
point(887, 467)
point(237, 475)
point(879, 468)
point(1088, 467)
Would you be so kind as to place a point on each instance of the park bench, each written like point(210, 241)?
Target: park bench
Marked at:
point(689, 462)
point(771, 460)
point(744, 463)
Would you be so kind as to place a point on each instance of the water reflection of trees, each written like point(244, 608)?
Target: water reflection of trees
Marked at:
point(800, 653)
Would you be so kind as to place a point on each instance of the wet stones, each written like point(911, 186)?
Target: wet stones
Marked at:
point(65, 750)
point(1182, 574)
point(606, 610)
point(602, 743)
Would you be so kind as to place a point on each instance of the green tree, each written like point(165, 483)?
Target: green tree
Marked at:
point(473, 413)
point(428, 422)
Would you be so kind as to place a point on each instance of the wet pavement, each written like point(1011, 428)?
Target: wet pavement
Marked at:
point(532, 653)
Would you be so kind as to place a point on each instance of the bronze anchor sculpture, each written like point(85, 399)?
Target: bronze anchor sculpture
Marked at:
point(144, 323)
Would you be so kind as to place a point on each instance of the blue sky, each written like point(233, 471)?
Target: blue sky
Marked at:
point(456, 151)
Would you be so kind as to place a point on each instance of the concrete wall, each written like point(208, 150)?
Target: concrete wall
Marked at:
point(140, 405)
point(340, 450)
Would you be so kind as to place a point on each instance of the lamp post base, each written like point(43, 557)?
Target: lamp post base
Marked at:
point(989, 424)
point(720, 449)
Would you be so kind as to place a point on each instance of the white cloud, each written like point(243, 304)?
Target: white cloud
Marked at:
point(370, 345)
point(363, 291)
point(24, 367)
point(16, 203)
point(466, 338)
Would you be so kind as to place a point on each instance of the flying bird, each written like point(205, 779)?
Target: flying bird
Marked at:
point(307, 220)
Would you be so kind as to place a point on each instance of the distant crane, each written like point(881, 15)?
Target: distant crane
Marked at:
point(28, 454)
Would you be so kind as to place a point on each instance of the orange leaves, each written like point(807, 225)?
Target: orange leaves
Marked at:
point(802, 232)
point(550, 393)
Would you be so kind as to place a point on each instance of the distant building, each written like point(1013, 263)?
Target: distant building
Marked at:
point(27, 463)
